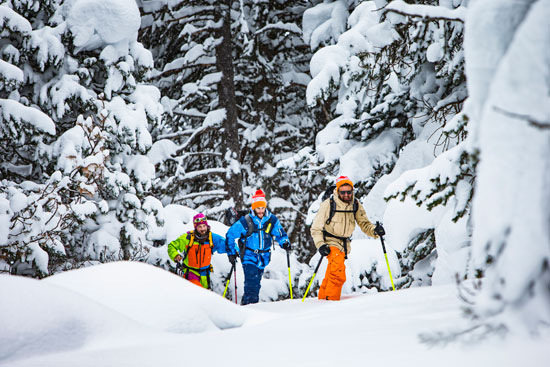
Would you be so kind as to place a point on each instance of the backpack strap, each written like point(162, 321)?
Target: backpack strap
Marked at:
point(333, 209)
point(331, 215)
point(270, 224)
point(190, 237)
point(250, 227)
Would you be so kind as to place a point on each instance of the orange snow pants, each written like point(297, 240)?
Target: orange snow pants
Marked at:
point(335, 276)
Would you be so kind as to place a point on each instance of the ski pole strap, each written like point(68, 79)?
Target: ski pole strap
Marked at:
point(343, 239)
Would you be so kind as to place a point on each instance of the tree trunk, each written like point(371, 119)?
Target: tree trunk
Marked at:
point(226, 91)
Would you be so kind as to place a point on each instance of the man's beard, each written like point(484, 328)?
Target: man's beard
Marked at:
point(202, 235)
point(346, 200)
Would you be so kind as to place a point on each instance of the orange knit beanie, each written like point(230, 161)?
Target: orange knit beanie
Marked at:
point(258, 199)
point(343, 180)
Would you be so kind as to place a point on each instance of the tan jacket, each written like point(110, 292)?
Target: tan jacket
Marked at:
point(342, 224)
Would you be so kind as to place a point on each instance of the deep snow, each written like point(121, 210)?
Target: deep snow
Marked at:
point(133, 314)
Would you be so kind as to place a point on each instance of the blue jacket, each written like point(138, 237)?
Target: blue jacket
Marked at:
point(258, 244)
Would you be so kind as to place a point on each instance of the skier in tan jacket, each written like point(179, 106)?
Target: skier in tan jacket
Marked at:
point(331, 231)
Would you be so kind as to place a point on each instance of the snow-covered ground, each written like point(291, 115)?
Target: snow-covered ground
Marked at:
point(133, 314)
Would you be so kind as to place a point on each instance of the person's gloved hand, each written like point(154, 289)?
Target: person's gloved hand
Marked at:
point(232, 259)
point(324, 250)
point(379, 230)
point(286, 246)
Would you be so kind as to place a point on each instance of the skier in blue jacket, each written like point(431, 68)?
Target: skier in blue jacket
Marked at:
point(255, 232)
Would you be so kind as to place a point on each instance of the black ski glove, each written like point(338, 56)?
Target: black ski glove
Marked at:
point(324, 250)
point(286, 246)
point(232, 259)
point(379, 230)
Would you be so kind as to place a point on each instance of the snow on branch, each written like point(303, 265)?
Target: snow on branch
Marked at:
point(14, 21)
point(203, 172)
point(286, 27)
point(13, 110)
point(10, 74)
point(212, 120)
point(218, 193)
point(427, 12)
point(529, 119)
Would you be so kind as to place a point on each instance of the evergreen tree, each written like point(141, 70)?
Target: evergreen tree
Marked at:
point(75, 120)
point(397, 75)
point(195, 63)
point(269, 62)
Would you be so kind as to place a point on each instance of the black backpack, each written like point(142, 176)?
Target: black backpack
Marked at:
point(328, 194)
point(232, 216)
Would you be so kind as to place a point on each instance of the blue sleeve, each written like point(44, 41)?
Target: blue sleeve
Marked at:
point(279, 233)
point(233, 234)
point(218, 243)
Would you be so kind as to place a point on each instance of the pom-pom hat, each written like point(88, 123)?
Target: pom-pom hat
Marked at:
point(343, 180)
point(199, 219)
point(258, 199)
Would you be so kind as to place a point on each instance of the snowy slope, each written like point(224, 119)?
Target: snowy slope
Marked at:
point(98, 317)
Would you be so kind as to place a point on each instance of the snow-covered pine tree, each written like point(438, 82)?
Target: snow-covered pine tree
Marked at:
point(447, 183)
point(271, 77)
point(79, 192)
point(396, 71)
point(200, 165)
point(509, 110)
point(270, 61)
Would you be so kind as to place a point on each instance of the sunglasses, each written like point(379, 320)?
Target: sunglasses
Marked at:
point(345, 192)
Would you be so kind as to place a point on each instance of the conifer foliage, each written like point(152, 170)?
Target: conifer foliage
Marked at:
point(74, 130)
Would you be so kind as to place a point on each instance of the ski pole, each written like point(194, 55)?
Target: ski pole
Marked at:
point(228, 279)
point(289, 277)
point(386, 256)
point(313, 277)
point(235, 277)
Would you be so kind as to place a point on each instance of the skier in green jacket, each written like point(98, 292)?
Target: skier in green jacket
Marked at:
point(193, 251)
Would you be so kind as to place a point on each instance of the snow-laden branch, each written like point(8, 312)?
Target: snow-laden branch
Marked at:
point(177, 134)
point(427, 12)
point(212, 120)
point(15, 111)
point(538, 124)
point(218, 193)
point(281, 26)
point(203, 172)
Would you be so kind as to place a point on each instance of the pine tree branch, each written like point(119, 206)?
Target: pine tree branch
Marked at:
point(426, 12)
point(545, 125)
point(217, 193)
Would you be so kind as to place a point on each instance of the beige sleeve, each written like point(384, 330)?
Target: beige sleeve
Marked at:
point(364, 223)
point(319, 223)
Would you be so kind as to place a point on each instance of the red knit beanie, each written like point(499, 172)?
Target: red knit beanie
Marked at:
point(343, 180)
point(258, 199)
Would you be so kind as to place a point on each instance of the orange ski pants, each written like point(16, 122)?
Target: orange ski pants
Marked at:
point(335, 276)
